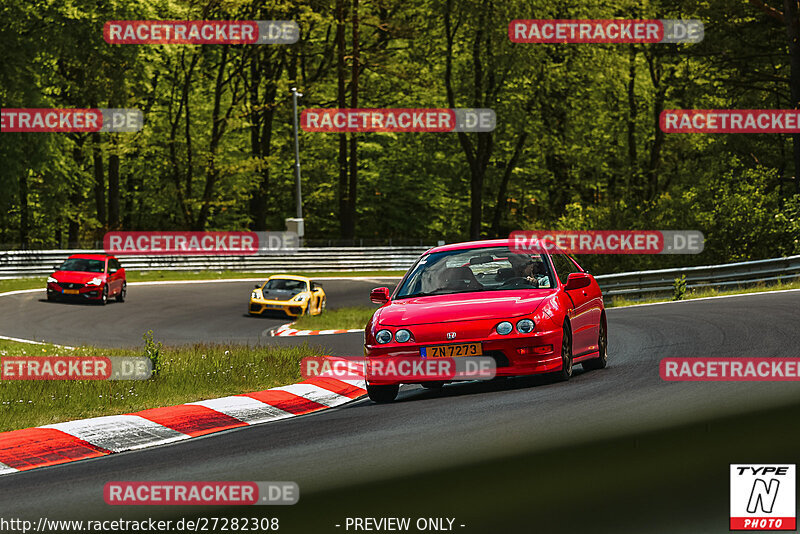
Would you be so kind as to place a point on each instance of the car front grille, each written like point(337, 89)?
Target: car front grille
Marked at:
point(500, 359)
point(68, 285)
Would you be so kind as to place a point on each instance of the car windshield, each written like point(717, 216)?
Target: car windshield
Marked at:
point(480, 269)
point(284, 284)
point(83, 265)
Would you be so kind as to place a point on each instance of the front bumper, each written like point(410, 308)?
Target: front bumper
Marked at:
point(529, 354)
point(83, 293)
point(290, 308)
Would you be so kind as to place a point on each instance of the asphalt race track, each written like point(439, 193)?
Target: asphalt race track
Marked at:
point(563, 443)
point(177, 314)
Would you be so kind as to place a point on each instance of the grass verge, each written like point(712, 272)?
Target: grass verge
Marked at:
point(188, 373)
point(338, 319)
point(15, 284)
point(617, 302)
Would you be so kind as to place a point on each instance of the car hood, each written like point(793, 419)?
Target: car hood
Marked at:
point(461, 307)
point(75, 277)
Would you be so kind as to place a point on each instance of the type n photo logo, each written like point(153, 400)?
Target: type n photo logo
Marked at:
point(763, 497)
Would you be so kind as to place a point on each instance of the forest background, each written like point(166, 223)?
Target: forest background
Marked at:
point(577, 143)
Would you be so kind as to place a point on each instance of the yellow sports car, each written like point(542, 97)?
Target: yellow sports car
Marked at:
point(292, 295)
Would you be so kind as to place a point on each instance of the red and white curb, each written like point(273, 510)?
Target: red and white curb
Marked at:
point(22, 450)
point(287, 330)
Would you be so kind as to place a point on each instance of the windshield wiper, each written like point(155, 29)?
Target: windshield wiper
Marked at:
point(412, 295)
point(442, 291)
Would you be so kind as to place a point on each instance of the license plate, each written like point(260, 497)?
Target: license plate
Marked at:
point(71, 291)
point(452, 351)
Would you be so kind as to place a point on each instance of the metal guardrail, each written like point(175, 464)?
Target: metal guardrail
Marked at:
point(660, 282)
point(15, 264)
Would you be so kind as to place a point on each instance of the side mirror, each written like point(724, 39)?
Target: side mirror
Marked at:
point(577, 281)
point(256, 286)
point(379, 295)
point(56, 267)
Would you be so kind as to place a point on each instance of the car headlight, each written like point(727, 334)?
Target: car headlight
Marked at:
point(94, 282)
point(51, 280)
point(383, 337)
point(525, 326)
point(504, 328)
point(300, 298)
point(402, 336)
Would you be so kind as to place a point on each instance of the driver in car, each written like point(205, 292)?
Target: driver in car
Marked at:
point(532, 271)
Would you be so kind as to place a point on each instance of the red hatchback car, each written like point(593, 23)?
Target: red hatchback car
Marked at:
point(91, 277)
point(531, 313)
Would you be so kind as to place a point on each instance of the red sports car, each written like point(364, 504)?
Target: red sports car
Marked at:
point(531, 313)
point(92, 277)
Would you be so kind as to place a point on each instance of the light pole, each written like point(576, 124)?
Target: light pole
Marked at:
point(296, 225)
point(298, 191)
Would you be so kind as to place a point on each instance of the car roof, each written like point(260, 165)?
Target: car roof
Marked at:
point(289, 277)
point(90, 257)
point(472, 244)
point(486, 243)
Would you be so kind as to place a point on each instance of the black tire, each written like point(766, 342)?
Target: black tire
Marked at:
point(104, 296)
point(322, 305)
point(382, 394)
point(566, 355)
point(122, 293)
point(601, 361)
point(51, 297)
point(433, 385)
